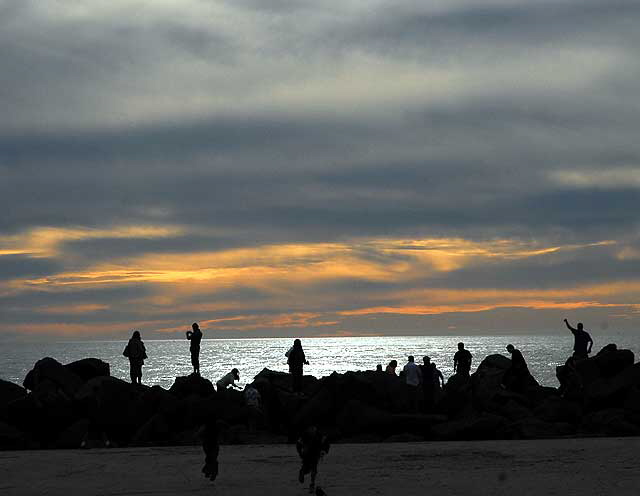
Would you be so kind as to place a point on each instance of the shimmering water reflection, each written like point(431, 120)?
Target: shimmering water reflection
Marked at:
point(170, 358)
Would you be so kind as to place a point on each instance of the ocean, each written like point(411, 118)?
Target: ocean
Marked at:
point(170, 358)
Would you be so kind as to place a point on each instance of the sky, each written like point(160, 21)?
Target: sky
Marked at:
point(305, 168)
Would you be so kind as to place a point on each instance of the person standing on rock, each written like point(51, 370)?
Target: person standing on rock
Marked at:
point(516, 375)
point(428, 384)
point(582, 341)
point(195, 336)
point(391, 368)
point(296, 361)
point(136, 353)
point(413, 378)
point(462, 361)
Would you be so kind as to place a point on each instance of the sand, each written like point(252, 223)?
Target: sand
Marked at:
point(518, 468)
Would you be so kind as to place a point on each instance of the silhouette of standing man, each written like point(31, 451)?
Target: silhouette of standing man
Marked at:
point(582, 341)
point(462, 360)
point(195, 336)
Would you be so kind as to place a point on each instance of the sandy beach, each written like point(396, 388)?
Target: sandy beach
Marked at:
point(567, 467)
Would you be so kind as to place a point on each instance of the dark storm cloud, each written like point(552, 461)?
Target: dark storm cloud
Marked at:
point(14, 266)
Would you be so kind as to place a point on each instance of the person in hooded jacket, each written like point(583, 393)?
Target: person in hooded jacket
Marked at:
point(296, 360)
point(136, 353)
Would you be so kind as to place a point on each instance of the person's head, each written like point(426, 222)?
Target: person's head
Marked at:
point(136, 335)
point(510, 348)
point(379, 368)
point(580, 326)
point(410, 358)
point(236, 374)
point(195, 327)
point(297, 343)
point(461, 346)
point(393, 364)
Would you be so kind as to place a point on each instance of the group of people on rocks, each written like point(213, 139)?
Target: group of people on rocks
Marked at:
point(424, 380)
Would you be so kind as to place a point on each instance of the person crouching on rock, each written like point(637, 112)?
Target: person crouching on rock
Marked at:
point(311, 446)
point(136, 353)
point(211, 448)
point(228, 380)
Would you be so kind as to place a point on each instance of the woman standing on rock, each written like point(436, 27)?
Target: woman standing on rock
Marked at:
point(136, 353)
point(296, 361)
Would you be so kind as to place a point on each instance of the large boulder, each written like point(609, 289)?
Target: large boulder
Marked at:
point(609, 422)
point(192, 385)
point(458, 398)
point(156, 431)
point(12, 438)
point(8, 393)
point(113, 406)
point(486, 380)
point(556, 409)
point(534, 428)
point(88, 368)
point(50, 370)
point(610, 392)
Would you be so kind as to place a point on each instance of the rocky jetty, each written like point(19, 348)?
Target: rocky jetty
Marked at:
point(80, 404)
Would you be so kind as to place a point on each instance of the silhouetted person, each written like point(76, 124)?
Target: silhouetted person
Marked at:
point(462, 360)
point(516, 375)
point(195, 336)
point(311, 446)
point(438, 377)
point(582, 342)
point(253, 400)
point(296, 361)
point(413, 378)
point(211, 448)
point(428, 384)
point(391, 368)
point(136, 353)
point(379, 368)
point(228, 380)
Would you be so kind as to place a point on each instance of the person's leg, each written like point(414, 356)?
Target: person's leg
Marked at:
point(314, 472)
point(132, 372)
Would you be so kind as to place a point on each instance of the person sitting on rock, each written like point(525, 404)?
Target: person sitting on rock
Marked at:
point(391, 368)
point(462, 361)
point(311, 446)
point(582, 341)
point(211, 448)
point(195, 336)
point(516, 375)
point(136, 353)
point(228, 380)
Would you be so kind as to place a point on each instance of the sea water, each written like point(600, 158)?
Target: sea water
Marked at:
point(170, 358)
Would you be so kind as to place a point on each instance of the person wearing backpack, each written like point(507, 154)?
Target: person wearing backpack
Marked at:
point(136, 353)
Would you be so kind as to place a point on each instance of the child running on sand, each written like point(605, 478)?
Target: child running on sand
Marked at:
point(211, 449)
point(311, 446)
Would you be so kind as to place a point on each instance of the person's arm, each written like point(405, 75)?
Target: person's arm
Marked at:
point(455, 362)
point(441, 377)
point(569, 326)
point(590, 344)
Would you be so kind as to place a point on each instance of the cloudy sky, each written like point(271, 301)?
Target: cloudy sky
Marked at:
point(296, 167)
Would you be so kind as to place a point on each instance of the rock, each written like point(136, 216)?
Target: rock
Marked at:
point(49, 369)
point(609, 422)
point(357, 417)
point(88, 368)
point(192, 385)
point(632, 401)
point(8, 393)
point(12, 438)
point(73, 436)
point(612, 392)
point(458, 400)
point(113, 406)
point(486, 380)
point(156, 431)
point(556, 409)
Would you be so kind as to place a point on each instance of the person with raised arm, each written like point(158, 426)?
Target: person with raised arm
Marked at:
point(582, 343)
point(195, 336)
